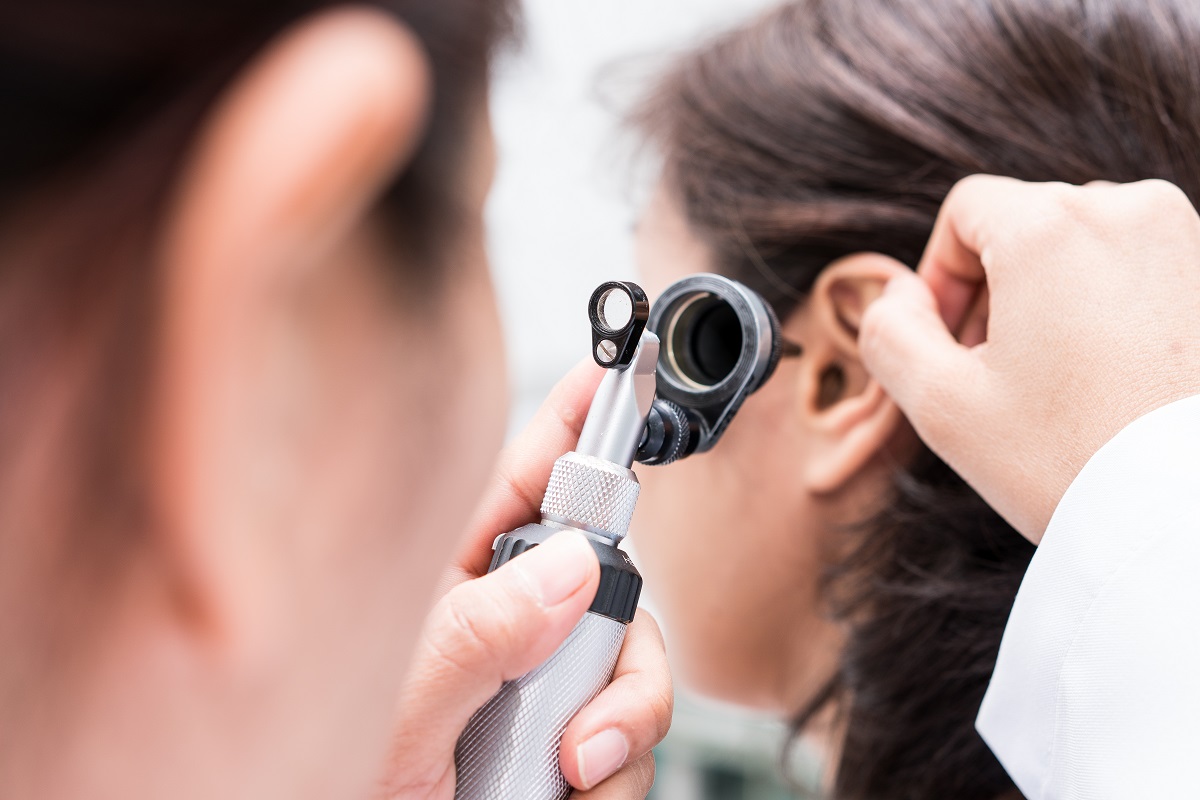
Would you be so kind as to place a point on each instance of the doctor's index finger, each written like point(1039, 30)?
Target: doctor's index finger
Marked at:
point(514, 495)
point(979, 213)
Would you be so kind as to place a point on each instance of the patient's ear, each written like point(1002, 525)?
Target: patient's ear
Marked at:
point(286, 168)
point(849, 418)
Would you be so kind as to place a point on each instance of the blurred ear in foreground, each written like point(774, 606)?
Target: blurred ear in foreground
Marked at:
point(273, 195)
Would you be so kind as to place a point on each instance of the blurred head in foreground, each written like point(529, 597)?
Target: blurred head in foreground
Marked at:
point(249, 362)
point(820, 562)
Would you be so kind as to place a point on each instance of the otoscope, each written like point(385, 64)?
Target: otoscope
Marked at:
point(676, 375)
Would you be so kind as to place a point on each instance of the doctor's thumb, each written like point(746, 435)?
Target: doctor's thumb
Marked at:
point(905, 345)
point(496, 628)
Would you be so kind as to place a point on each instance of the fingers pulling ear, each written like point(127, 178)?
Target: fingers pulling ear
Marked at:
point(287, 164)
point(848, 413)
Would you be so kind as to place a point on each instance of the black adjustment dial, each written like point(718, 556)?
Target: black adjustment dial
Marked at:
point(620, 582)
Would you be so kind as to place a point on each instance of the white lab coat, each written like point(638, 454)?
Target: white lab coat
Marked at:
point(1096, 692)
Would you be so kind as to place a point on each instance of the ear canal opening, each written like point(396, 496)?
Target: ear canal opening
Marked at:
point(831, 386)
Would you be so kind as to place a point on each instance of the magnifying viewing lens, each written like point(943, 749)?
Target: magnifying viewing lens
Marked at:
point(615, 309)
point(716, 342)
point(705, 340)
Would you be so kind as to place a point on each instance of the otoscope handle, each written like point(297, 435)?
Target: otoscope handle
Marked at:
point(509, 750)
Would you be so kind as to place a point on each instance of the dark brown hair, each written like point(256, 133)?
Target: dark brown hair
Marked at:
point(99, 100)
point(828, 127)
point(80, 78)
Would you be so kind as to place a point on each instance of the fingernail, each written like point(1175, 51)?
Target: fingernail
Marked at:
point(601, 756)
point(558, 567)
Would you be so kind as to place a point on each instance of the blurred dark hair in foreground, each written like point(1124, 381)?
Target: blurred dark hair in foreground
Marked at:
point(99, 102)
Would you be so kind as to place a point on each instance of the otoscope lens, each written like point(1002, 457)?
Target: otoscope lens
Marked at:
point(615, 309)
point(705, 337)
point(716, 343)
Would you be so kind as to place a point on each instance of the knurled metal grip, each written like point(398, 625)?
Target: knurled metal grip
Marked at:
point(592, 494)
point(510, 748)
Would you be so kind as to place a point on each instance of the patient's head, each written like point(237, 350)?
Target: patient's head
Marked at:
point(819, 556)
point(248, 362)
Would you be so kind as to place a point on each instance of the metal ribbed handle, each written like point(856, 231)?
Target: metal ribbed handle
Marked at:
point(509, 750)
point(592, 494)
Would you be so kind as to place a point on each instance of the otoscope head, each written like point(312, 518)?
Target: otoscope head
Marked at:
point(719, 342)
point(677, 372)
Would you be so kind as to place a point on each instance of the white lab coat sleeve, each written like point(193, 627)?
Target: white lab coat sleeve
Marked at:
point(1096, 691)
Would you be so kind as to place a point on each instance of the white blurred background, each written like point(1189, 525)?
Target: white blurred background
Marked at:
point(560, 221)
point(565, 198)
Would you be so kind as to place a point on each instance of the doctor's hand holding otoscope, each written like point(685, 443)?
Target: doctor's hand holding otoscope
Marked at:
point(674, 378)
point(489, 628)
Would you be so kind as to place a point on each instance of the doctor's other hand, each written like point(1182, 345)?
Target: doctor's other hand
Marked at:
point(1046, 318)
point(489, 628)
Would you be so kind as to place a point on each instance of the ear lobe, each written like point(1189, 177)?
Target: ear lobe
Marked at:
point(853, 431)
point(853, 424)
point(288, 164)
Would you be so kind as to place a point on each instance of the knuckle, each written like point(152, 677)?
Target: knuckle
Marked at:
point(1149, 204)
point(1065, 202)
point(967, 191)
point(568, 418)
point(646, 768)
point(524, 490)
point(1161, 202)
point(662, 707)
point(641, 774)
point(461, 642)
point(1162, 194)
point(982, 189)
point(646, 620)
point(471, 632)
point(654, 679)
point(654, 698)
point(1039, 222)
point(970, 185)
point(1057, 205)
point(1065, 216)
